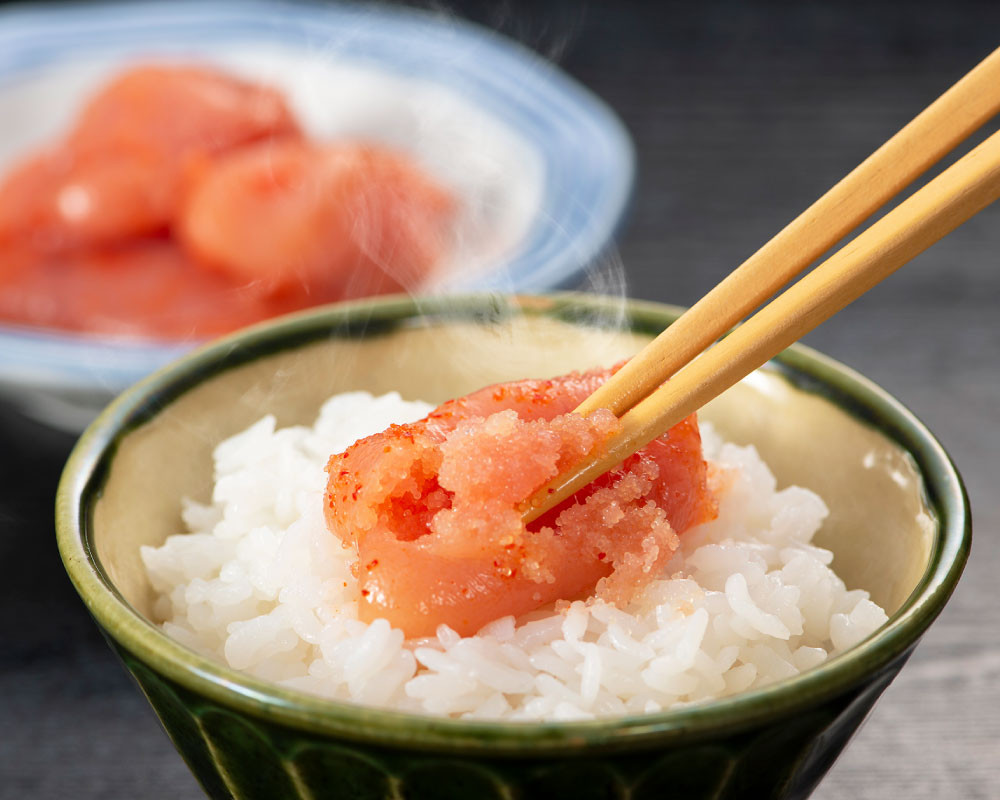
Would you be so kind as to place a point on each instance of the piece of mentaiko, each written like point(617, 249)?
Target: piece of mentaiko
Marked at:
point(432, 508)
point(121, 170)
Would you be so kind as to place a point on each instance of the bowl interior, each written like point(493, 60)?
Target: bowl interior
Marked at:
point(880, 528)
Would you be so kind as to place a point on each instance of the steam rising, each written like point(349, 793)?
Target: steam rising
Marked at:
point(492, 169)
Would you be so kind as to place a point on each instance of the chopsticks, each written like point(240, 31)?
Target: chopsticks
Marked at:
point(671, 377)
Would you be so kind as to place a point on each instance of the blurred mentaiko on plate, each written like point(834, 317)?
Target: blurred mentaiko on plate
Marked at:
point(187, 202)
point(519, 176)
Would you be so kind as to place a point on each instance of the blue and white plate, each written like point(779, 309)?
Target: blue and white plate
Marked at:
point(543, 168)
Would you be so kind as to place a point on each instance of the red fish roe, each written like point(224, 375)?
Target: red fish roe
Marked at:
point(345, 220)
point(158, 290)
point(121, 170)
point(432, 508)
point(185, 202)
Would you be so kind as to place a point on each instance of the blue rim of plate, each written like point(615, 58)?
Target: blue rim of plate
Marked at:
point(587, 154)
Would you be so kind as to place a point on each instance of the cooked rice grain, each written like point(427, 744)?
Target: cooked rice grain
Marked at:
point(259, 583)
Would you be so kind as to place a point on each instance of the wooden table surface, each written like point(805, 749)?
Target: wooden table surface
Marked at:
point(742, 114)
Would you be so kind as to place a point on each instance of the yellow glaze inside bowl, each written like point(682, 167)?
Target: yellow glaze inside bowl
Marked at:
point(879, 528)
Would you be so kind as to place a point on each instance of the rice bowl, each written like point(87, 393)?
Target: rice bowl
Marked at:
point(244, 736)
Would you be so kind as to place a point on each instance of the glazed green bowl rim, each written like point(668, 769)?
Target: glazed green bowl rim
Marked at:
point(88, 465)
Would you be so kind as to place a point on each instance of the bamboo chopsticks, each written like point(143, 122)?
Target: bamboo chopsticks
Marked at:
point(662, 384)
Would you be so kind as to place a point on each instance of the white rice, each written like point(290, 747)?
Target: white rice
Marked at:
point(259, 583)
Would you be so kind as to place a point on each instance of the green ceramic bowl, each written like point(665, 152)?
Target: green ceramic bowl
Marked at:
point(899, 528)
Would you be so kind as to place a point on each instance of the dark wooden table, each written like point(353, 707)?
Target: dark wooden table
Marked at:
point(742, 114)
